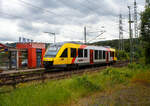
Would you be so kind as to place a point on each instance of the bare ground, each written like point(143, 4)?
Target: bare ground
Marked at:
point(132, 95)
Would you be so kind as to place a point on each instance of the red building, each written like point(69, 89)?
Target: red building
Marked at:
point(35, 53)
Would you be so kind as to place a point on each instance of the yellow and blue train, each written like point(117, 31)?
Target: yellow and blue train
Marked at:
point(75, 54)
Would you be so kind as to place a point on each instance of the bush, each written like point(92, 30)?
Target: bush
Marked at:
point(116, 76)
point(122, 55)
point(85, 84)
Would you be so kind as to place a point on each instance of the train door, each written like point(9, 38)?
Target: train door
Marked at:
point(91, 56)
point(38, 57)
point(107, 57)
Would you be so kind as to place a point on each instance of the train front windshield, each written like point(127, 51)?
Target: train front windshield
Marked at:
point(52, 51)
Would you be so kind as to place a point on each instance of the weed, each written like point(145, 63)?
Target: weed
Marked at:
point(84, 82)
point(142, 78)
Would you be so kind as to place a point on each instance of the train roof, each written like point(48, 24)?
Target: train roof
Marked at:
point(59, 44)
point(62, 43)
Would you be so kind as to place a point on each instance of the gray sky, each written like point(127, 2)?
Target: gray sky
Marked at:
point(67, 18)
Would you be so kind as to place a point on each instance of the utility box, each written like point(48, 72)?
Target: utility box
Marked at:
point(35, 52)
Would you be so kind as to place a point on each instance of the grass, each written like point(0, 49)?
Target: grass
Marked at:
point(63, 92)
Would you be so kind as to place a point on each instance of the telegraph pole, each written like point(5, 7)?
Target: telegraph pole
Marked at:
point(131, 38)
point(85, 35)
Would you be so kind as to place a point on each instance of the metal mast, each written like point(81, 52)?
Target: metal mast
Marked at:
point(85, 35)
point(131, 36)
point(147, 3)
point(135, 22)
point(121, 42)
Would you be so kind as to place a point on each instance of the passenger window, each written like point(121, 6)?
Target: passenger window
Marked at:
point(96, 54)
point(104, 54)
point(85, 53)
point(73, 52)
point(80, 53)
point(111, 54)
point(100, 54)
point(65, 53)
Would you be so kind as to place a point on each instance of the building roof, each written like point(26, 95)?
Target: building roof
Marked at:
point(3, 46)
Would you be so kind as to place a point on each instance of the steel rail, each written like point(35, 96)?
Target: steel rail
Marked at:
point(15, 79)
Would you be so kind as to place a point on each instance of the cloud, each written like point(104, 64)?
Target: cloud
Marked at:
point(67, 18)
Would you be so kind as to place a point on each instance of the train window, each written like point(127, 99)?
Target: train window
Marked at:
point(96, 54)
point(113, 54)
point(80, 53)
point(104, 54)
point(110, 54)
point(100, 54)
point(65, 53)
point(85, 53)
point(73, 52)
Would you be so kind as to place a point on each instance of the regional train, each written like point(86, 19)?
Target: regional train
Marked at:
point(71, 54)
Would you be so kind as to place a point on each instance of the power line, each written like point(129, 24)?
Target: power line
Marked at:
point(96, 36)
point(89, 8)
point(74, 7)
point(37, 7)
point(45, 10)
point(6, 14)
point(51, 12)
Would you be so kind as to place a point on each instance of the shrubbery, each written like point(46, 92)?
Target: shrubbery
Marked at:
point(122, 55)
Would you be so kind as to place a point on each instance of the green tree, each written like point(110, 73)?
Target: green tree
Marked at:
point(145, 32)
point(122, 55)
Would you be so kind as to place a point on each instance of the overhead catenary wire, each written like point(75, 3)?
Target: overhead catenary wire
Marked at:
point(96, 36)
point(51, 12)
point(44, 10)
point(37, 7)
point(10, 15)
point(80, 5)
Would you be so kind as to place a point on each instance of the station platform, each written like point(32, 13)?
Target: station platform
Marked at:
point(20, 71)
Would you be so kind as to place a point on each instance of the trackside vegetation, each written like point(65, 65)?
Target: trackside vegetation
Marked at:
point(68, 91)
point(145, 32)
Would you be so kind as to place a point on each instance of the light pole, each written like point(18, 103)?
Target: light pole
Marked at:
point(52, 34)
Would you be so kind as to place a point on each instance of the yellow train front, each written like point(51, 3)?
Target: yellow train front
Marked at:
point(74, 55)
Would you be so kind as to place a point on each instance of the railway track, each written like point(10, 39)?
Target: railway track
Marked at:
point(14, 79)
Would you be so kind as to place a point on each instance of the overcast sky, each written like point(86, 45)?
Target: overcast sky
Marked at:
point(67, 18)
